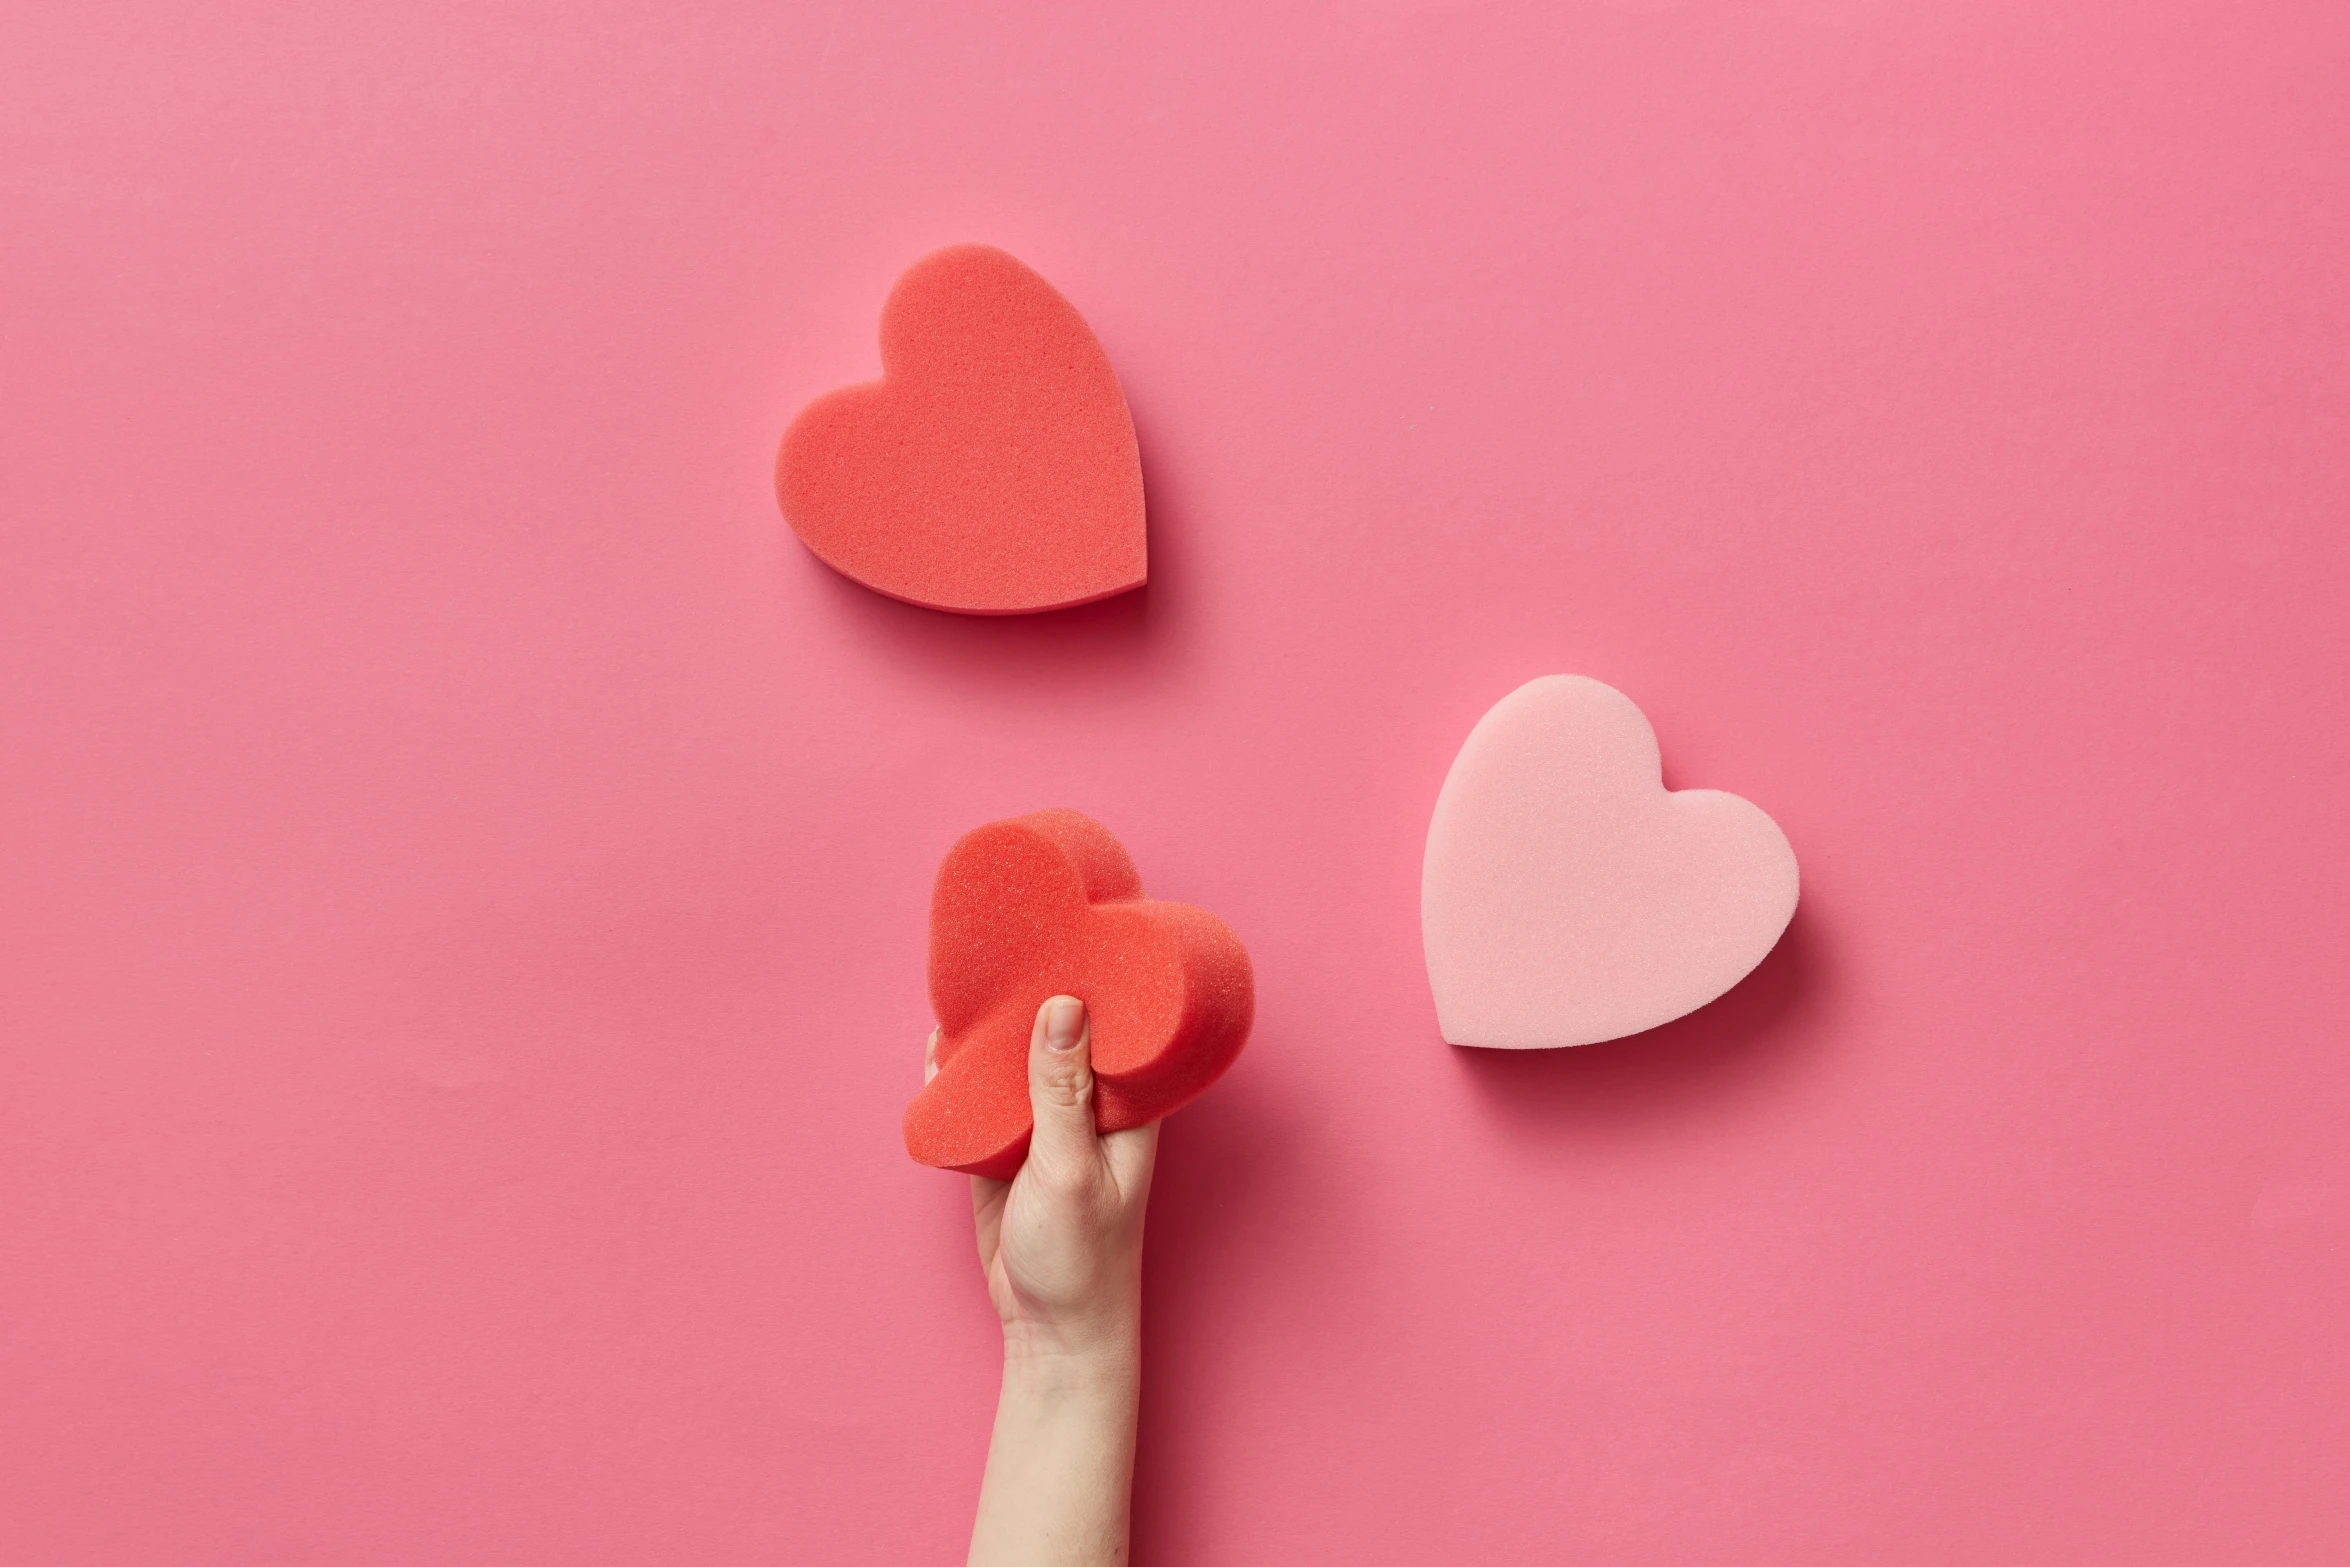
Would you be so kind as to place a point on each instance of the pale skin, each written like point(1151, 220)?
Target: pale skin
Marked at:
point(1060, 1245)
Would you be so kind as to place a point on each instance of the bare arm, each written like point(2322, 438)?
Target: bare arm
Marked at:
point(1061, 1246)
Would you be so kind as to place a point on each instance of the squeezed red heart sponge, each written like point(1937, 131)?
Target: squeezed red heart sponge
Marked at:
point(992, 469)
point(1048, 904)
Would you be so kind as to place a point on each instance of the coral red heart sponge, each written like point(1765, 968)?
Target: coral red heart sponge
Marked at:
point(992, 469)
point(1048, 904)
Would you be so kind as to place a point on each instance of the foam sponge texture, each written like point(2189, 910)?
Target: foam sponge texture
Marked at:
point(1567, 897)
point(992, 469)
point(1048, 904)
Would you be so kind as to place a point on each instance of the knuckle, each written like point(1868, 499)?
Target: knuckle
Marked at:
point(1069, 1086)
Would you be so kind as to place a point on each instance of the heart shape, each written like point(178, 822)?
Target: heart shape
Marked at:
point(1567, 897)
point(1049, 904)
point(992, 469)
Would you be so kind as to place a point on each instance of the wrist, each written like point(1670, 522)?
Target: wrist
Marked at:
point(1104, 1351)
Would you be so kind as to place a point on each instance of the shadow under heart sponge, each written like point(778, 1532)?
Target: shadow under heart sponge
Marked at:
point(1049, 904)
point(992, 469)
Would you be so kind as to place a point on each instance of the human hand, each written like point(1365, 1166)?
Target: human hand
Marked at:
point(1060, 1244)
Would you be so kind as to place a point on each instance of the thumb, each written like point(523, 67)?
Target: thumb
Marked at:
point(1060, 1086)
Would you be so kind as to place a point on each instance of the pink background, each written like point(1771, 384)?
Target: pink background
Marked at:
point(462, 864)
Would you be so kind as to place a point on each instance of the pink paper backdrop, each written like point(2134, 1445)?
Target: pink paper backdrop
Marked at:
point(461, 864)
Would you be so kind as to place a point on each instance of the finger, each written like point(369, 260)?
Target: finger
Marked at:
point(1133, 1154)
point(987, 1215)
point(930, 1057)
point(1060, 1086)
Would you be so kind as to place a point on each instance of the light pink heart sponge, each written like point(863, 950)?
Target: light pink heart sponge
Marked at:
point(1567, 897)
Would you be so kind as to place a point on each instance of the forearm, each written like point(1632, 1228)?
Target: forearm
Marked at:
point(1061, 1462)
